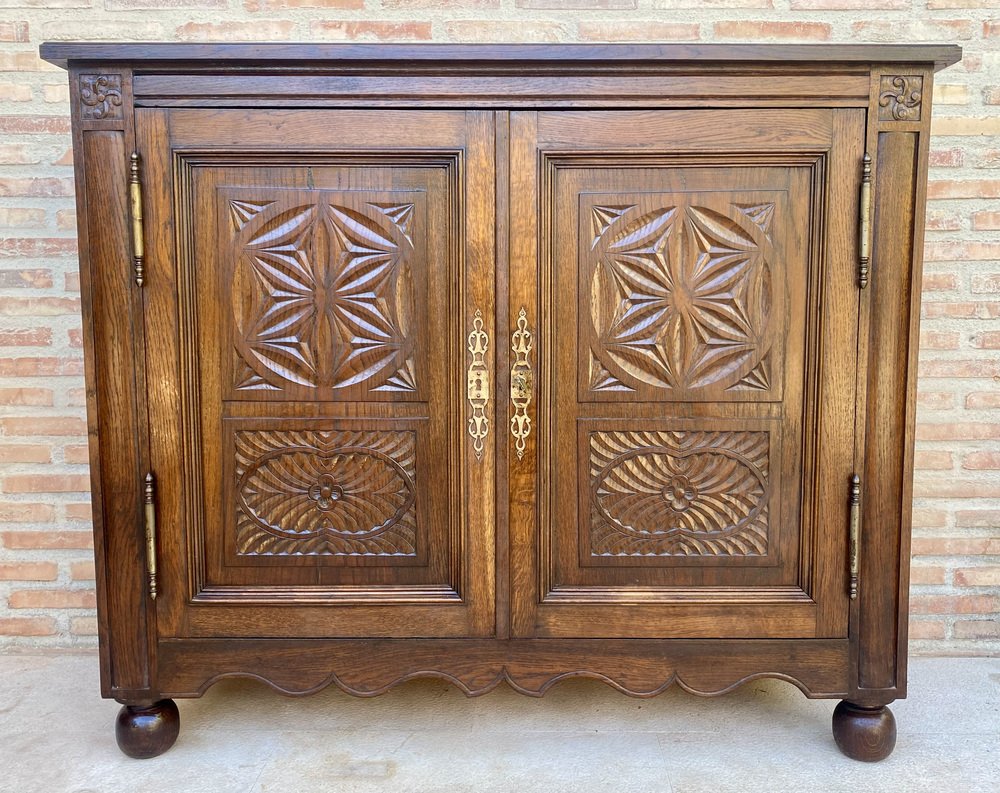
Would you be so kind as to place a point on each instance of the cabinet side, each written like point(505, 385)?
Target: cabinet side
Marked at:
point(898, 133)
point(101, 108)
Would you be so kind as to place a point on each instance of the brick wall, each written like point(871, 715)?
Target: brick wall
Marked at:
point(46, 571)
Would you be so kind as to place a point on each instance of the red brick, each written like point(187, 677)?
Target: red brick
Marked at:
point(28, 571)
point(926, 629)
point(72, 282)
point(955, 488)
point(83, 626)
point(43, 425)
point(139, 5)
point(22, 217)
point(914, 29)
point(977, 576)
point(46, 187)
point(82, 571)
point(960, 368)
point(961, 310)
point(76, 396)
point(25, 453)
point(958, 431)
point(371, 30)
point(21, 153)
point(563, 5)
point(258, 30)
point(933, 461)
point(25, 278)
point(27, 626)
point(76, 454)
point(935, 401)
point(40, 367)
point(982, 400)
point(921, 575)
point(988, 340)
point(940, 282)
point(66, 220)
point(991, 27)
point(280, 5)
point(45, 483)
point(982, 461)
point(80, 512)
point(35, 125)
point(37, 247)
point(977, 629)
point(75, 337)
point(938, 4)
point(752, 30)
point(951, 604)
point(26, 337)
point(25, 512)
point(939, 340)
point(963, 188)
point(986, 284)
point(25, 396)
point(637, 31)
point(965, 125)
point(939, 220)
point(14, 31)
point(991, 95)
point(986, 221)
point(924, 518)
point(479, 30)
point(947, 158)
point(979, 519)
point(849, 5)
point(52, 599)
point(55, 93)
point(963, 252)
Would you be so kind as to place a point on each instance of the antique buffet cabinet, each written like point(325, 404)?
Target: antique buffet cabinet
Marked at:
point(501, 364)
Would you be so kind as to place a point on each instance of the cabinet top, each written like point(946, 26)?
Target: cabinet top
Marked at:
point(249, 56)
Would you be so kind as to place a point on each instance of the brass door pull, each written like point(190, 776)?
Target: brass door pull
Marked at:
point(478, 385)
point(522, 381)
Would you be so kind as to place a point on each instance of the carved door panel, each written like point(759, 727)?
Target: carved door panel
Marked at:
point(694, 317)
point(308, 306)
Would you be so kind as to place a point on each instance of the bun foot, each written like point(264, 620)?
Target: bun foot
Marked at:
point(867, 734)
point(144, 732)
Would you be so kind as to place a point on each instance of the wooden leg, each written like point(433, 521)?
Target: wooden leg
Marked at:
point(867, 734)
point(147, 731)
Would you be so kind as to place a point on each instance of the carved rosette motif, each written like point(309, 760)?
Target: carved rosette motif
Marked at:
point(336, 493)
point(680, 297)
point(323, 295)
point(900, 97)
point(682, 493)
point(100, 96)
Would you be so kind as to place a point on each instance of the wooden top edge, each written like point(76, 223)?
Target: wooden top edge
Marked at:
point(249, 55)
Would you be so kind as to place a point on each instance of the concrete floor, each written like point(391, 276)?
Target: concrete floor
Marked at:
point(57, 735)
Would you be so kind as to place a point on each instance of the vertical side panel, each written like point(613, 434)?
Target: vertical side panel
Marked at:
point(900, 163)
point(114, 378)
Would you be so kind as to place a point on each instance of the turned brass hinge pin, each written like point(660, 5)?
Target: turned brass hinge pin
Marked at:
point(865, 221)
point(149, 497)
point(135, 196)
point(855, 501)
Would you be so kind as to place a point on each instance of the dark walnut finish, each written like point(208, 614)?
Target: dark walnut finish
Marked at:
point(501, 365)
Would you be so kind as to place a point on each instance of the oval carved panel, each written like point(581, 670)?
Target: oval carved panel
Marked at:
point(341, 493)
point(679, 493)
point(680, 296)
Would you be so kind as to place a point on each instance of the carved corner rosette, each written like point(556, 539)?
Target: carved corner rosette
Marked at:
point(101, 96)
point(900, 97)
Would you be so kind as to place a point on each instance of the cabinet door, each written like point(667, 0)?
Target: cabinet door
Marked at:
point(688, 278)
point(312, 279)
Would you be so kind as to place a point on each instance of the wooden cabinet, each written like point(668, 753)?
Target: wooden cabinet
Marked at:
point(501, 364)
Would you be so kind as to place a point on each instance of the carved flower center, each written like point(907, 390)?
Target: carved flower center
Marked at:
point(326, 492)
point(679, 493)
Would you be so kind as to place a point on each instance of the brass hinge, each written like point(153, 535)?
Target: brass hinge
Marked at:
point(855, 500)
point(149, 496)
point(135, 195)
point(865, 221)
